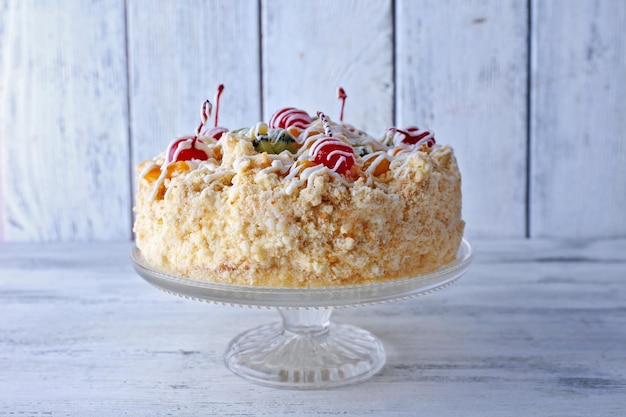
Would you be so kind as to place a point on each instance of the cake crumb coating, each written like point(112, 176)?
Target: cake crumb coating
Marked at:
point(251, 218)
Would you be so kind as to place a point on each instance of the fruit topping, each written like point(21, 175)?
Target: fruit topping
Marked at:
point(259, 129)
point(153, 173)
point(331, 152)
point(277, 141)
point(216, 132)
point(193, 148)
point(290, 117)
point(334, 154)
point(187, 149)
point(376, 164)
point(411, 135)
point(362, 150)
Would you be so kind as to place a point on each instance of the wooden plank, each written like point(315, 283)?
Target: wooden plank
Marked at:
point(310, 48)
point(63, 121)
point(461, 71)
point(179, 52)
point(82, 334)
point(549, 251)
point(578, 182)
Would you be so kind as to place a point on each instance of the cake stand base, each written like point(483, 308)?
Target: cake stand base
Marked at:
point(305, 351)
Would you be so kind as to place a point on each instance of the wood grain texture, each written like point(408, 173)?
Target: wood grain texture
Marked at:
point(179, 52)
point(578, 158)
point(310, 48)
point(535, 328)
point(461, 71)
point(63, 121)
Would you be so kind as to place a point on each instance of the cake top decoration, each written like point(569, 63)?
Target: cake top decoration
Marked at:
point(331, 152)
point(292, 145)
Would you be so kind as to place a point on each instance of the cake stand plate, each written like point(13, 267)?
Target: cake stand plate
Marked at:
point(306, 350)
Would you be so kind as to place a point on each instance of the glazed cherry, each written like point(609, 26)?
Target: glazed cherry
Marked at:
point(334, 154)
point(290, 117)
point(413, 135)
point(216, 132)
point(189, 150)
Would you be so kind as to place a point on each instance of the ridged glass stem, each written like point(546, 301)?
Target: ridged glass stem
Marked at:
point(313, 321)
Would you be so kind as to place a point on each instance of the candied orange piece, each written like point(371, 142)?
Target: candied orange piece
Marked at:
point(382, 167)
point(294, 131)
point(177, 167)
point(218, 152)
point(153, 175)
point(310, 133)
point(306, 164)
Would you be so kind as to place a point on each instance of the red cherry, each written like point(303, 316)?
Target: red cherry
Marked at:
point(290, 117)
point(334, 154)
point(216, 132)
point(414, 135)
point(189, 150)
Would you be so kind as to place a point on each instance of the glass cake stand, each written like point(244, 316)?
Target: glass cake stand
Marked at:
point(306, 350)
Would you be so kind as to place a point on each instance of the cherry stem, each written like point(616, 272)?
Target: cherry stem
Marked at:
point(205, 113)
point(220, 88)
point(322, 116)
point(395, 129)
point(341, 95)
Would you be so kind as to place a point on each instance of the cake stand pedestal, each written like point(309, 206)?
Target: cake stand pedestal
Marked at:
point(306, 350)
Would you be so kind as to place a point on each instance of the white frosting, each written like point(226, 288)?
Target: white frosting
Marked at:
point(298, 176)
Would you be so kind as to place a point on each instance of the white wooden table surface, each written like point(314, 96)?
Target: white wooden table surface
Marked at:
point(536, 328)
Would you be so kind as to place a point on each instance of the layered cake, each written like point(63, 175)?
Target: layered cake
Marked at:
point(301, 200)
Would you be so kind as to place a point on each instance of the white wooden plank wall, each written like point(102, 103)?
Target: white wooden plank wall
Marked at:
point(179, 52)
point(310, 48)
point(578, 148)
point(528, 92)
point(461, 71)
point(63, 121)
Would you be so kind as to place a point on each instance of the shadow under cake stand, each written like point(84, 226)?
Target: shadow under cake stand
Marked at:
point(306, 350)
